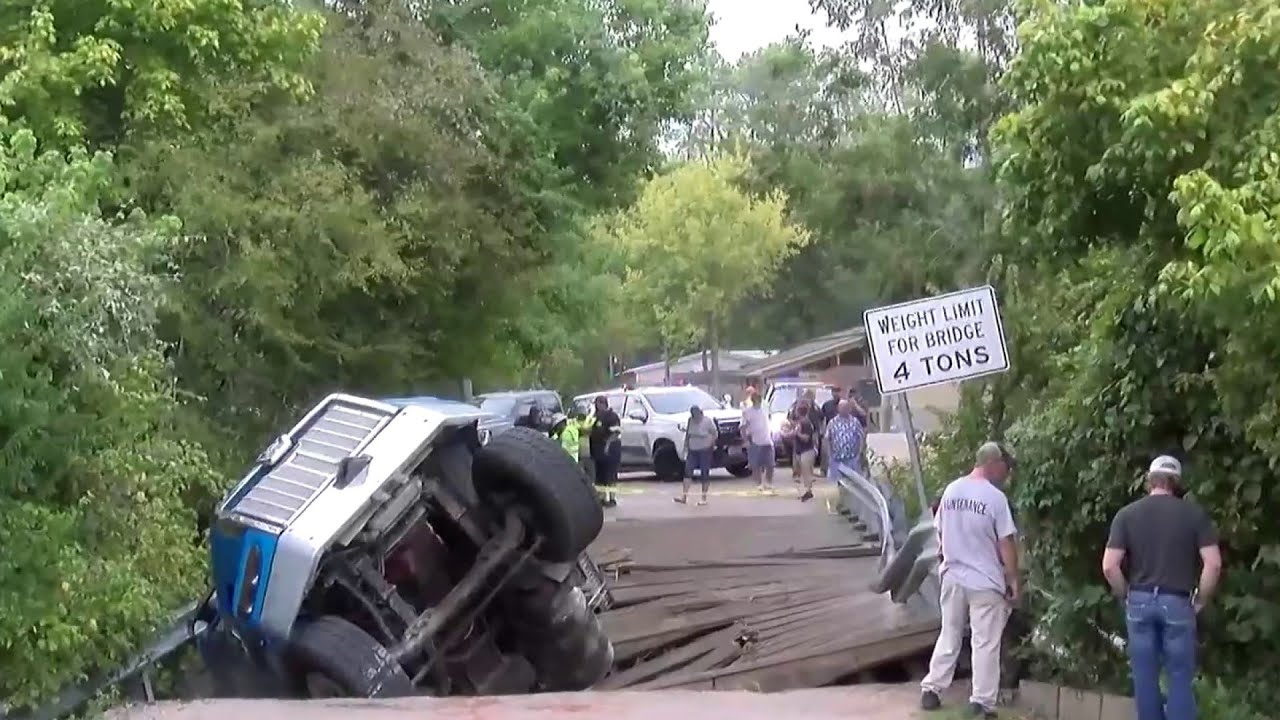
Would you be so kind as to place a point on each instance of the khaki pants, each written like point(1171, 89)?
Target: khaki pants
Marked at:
point(987, 612)
point(804, 467)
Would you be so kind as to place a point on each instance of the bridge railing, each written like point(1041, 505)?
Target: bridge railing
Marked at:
point(907, 568)
point(863, 500)
point(135, 676)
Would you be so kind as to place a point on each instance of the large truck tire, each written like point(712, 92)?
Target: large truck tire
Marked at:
point(530, 470)
point(739, 469)
point(331, 657)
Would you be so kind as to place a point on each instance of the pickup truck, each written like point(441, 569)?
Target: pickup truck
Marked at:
point(654, 420)
point(383, 548)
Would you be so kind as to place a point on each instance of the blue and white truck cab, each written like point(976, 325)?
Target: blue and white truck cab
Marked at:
point(395, 547)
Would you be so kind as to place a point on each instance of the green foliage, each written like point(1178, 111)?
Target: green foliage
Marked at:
point(1139, 177)
point(98, 537)
point(695, 243)
point(384, 205)
point(587, 83)
point(893, 210)
point(98, 69)
point(358, 262)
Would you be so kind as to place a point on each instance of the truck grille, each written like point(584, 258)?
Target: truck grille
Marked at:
point(337, 432)
point(728, 429)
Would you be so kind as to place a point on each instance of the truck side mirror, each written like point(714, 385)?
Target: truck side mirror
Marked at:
point(638, 414)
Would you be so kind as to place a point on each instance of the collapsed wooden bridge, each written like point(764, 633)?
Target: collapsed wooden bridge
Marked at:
point(762, 602)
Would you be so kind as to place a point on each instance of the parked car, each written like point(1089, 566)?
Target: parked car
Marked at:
point(653, 424)
point(516, 406)
point(391, 548)
point(779, 399)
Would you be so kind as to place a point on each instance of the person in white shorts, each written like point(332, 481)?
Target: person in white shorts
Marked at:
point(979, 579)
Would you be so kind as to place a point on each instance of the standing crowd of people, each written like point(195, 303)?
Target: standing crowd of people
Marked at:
point(820, 437)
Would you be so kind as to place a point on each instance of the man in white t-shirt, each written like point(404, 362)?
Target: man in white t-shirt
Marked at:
point(979, 579)
point(759, 437)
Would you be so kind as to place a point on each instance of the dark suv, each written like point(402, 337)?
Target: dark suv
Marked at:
point(529, 408)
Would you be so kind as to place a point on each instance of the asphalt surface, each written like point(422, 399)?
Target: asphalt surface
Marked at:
point(643, 497)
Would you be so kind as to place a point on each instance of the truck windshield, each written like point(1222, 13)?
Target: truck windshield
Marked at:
point(672, 402)
point(784, 396)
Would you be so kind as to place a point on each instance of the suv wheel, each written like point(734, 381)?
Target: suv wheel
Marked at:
point(331, 657)
point(739, 469)
point(667, 464)
point(525, 468)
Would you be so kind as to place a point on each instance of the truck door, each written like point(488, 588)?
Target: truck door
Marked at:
point(635, 431)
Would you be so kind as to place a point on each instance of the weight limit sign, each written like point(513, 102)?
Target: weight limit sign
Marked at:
point(936, 340)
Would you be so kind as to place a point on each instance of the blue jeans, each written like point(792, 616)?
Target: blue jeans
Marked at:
point(699, 461)
point(1162, 633)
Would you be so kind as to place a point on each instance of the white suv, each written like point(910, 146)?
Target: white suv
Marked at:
point(653, 424)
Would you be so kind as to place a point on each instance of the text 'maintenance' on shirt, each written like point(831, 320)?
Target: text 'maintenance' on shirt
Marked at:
point(973, 516)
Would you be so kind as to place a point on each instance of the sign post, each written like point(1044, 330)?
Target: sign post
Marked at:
point(942, 339)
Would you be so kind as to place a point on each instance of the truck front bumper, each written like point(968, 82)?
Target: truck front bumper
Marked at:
point(730, 454)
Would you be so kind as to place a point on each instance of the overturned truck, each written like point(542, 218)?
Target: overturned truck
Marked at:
point(385, 549)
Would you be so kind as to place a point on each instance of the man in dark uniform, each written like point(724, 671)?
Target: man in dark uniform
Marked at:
point(1170, 546)
point(606, 450)
point(829, 408)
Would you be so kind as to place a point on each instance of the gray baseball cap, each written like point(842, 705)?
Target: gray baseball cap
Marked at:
point(1165, 465)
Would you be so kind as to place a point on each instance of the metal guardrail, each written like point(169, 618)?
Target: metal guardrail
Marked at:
point(904, 567)
point(860, 496)
point(184, 630)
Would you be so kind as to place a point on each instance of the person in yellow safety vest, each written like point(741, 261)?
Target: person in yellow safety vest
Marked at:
point(584, 421)
point(566, 432)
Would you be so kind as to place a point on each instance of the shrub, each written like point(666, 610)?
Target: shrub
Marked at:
point(99, 545)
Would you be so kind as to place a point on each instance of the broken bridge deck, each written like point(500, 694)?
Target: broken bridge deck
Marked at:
point(748, 593)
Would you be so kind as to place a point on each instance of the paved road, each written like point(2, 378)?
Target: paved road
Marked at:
point(650, 499)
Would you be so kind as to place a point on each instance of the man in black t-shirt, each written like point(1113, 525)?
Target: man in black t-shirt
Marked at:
point(830, 407)
point(1162, 558)
point(605, 442)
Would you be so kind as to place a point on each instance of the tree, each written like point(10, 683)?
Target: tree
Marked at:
point(1139, 175)
point(94, 513)
point(99, 70)
point(894, 212)
point(355, 238)
point(589, 83)
point(695, 244)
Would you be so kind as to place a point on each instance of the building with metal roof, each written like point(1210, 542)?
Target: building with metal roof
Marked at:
point(844, 347)
point(688, 369)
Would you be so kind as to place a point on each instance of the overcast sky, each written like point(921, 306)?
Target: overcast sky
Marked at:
point(742, 26)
